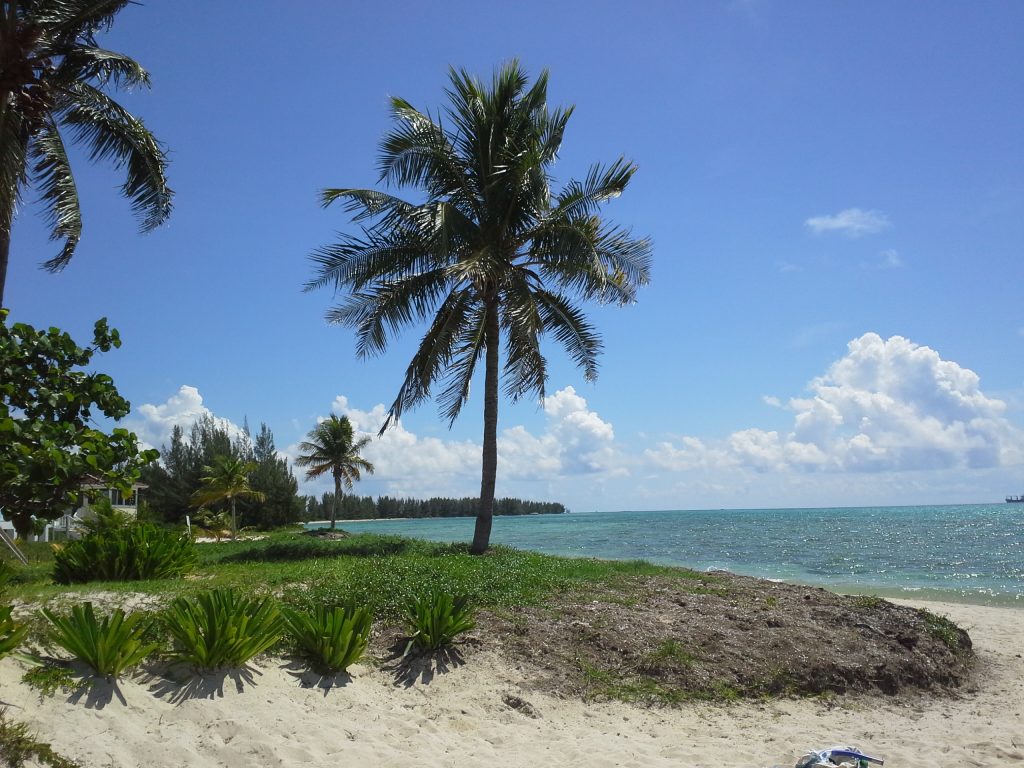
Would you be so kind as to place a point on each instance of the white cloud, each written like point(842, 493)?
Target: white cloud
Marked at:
point(575, 441)
point(153, 423)
point(891, 259)
point(887, 406)
point(852, 222)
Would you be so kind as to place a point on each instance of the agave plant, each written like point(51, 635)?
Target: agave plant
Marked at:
point(222, 629)
point(108, 646)
point(437, 619)
point(11, 633)
point(331, 638)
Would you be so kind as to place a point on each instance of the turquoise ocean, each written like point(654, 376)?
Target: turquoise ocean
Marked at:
point(964, 553)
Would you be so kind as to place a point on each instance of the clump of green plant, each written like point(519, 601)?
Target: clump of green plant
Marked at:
point(669, 653)
point(331, 638)
point(946, 631)
point(867, 602)
point(18, 746)
point(109, 646)
point(437, 619)
point(222, 629)
point(51, 675)
point(126, 553)
point(11, 633)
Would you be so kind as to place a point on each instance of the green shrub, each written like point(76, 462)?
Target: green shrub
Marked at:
point(109, 646)
point(221, 629)
point(18, 746)
point(437, 619)
point(11, 633)
point(331, 638)
point(130, 553)
point(6, 574)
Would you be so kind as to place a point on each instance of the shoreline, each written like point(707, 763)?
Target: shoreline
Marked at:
point(482, 712)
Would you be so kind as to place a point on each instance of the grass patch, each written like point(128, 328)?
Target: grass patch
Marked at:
point(668, 653)
point(622, 685)
point(18, 746)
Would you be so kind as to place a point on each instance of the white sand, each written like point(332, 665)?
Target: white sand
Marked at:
point(459, 718)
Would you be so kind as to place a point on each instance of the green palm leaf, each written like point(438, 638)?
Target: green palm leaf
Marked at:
point(55, 76)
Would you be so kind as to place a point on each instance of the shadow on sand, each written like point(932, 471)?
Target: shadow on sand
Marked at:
point(182, 683)
point(96, 691)
point(410, 667)
point(307, 677)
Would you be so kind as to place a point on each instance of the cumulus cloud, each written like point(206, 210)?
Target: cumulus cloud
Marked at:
point(886, 406)
point(153, 423)
point(852, 222)
point(575, 441)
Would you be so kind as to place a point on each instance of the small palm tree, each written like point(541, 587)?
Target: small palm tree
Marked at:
point(490, 261)
point(227, 479)
point(332, 446)
point(54, 76)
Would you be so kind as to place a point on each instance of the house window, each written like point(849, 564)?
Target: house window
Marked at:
point(119, 499)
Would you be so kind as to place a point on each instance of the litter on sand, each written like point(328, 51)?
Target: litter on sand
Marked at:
point(837, 757)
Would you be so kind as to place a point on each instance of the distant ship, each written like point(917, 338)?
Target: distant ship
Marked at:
point(1015, 499)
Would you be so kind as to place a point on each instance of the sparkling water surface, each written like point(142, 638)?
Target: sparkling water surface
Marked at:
point(970, 553)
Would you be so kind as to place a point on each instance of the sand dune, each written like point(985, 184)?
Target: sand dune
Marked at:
point(478, 714)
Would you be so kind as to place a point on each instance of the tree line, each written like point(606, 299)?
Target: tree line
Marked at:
point(173, 482)
point(368, 508)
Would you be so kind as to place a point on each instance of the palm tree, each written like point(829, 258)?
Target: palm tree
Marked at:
point(491, 255)
point(227, 478)
point(53, 76)
point(332, 446)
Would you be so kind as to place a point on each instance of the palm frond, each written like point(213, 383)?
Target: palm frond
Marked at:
point(570, 328)
point(52, 175)
point(112, 133)
point(601, 185)
point(385, 307)
point(435, 352)
point(464, 357)
point(103, 66)
point(13, 164)
point(67, 20)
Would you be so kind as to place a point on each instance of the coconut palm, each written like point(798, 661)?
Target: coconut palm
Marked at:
point(53, 81)
point(332, 447)
point(227, 479)
point(490, 256)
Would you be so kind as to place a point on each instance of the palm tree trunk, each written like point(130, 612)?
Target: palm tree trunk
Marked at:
point(485, 512)
point(336, 506)
point(234, 521)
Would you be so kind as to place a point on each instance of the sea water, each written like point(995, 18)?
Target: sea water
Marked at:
point(968, 553)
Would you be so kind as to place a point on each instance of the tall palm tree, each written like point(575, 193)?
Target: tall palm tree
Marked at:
point(227, 478)
point(332, 446)
point(53, 76)
point(490, 255)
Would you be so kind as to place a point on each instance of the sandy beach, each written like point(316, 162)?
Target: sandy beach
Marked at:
point(479, 714)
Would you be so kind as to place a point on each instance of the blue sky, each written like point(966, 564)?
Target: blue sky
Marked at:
point(836, 198)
